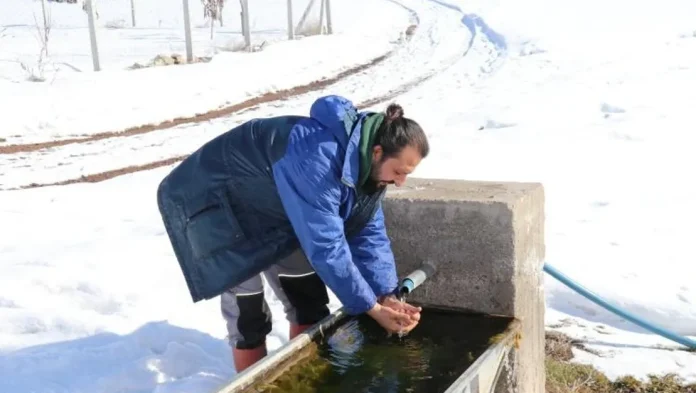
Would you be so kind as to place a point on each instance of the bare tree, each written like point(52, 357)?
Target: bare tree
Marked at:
point(212, 9)
point(36, 74)
point(44, 34)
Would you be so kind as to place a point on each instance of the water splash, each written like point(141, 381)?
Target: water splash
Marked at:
point(402, 299)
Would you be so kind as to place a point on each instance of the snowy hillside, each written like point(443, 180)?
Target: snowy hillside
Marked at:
point(84, 103)
point(592, 98)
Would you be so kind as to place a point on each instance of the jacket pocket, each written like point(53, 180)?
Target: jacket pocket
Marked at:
point(211, 225)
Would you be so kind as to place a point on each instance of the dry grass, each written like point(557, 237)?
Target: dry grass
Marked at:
point(566, 377)
point(563, 376)
point(559, 346)
point(162, 60)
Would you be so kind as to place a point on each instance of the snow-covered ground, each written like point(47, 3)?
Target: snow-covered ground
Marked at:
point(593, 99)
point(83, 103)
point(440, 42)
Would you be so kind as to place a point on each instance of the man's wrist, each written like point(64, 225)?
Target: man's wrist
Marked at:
point(375, 309)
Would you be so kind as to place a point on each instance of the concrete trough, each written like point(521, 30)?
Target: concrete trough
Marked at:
point(485, 243)
point(481, 376)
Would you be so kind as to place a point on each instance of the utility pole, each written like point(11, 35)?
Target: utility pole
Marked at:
point(305, 14)
point(291, 29)
point(187, 33)
point(133, 12)
point(329, 24)
point(245, 23)
point(93, 35)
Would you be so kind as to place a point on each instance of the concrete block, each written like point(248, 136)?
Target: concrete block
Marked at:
point(486, 240)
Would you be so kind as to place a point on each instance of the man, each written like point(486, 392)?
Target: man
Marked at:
point(297, 199)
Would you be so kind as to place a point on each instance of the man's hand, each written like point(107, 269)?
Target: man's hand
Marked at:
point(392, 302)
point(392, 320)
point(407, 315)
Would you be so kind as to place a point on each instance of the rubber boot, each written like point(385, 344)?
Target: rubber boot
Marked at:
point(297, 329)
point(244, 358)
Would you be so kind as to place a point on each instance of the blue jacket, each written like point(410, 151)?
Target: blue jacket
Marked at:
point(256, 193)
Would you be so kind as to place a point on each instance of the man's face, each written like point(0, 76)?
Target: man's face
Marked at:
point(393, 170)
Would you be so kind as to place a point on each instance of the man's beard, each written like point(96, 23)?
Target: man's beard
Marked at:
point(373, 183)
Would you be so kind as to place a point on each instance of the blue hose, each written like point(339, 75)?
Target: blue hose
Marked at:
point(622, 313)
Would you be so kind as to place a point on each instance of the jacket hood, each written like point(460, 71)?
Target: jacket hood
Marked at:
point(336, 113)
point(341, 117)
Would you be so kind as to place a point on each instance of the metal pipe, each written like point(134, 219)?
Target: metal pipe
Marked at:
point(416, 278)
point(263, 367)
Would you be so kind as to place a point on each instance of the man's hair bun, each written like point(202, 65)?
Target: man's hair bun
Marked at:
point(394, 111)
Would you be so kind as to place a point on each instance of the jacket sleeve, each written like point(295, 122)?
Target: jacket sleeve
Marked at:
point(311, 195)
point(373, 256)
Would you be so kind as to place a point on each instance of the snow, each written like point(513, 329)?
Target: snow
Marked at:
point(441, 42)
point(593, 99)
point(84, 103)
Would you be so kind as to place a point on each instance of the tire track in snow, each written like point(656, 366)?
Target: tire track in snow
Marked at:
point(486, 43)
point(223, 111)
point(485, 55)
point(168, 124)
point(440, 41)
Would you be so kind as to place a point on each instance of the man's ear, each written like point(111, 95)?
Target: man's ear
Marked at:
point(377, 153)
